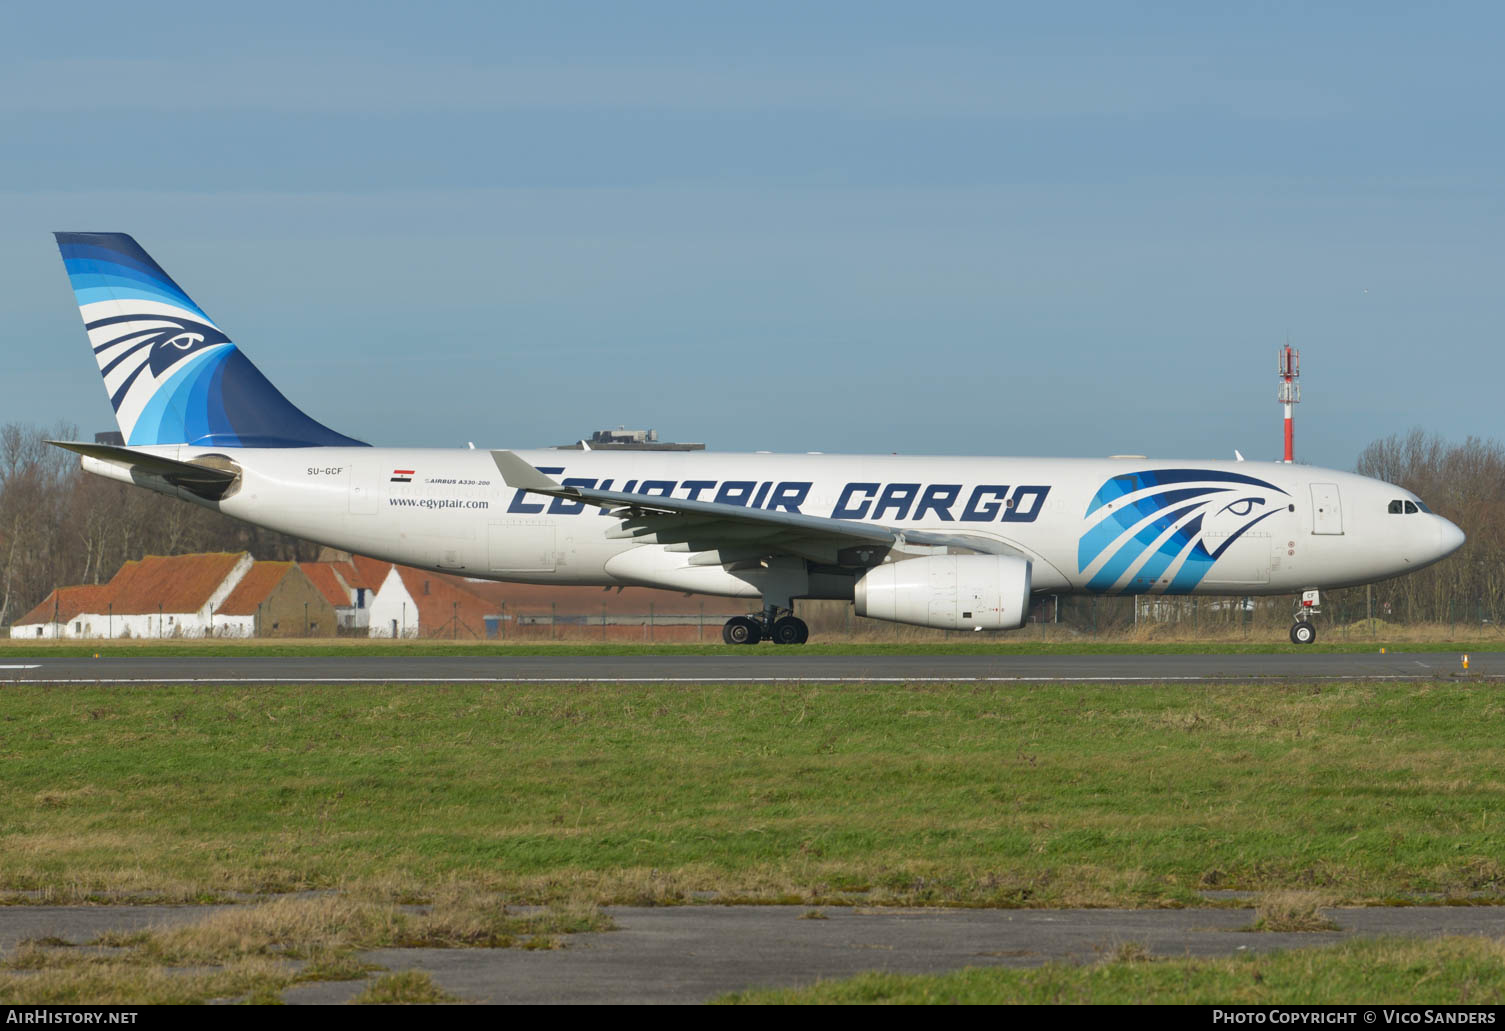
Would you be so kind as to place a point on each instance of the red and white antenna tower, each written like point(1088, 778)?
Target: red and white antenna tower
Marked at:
point(1290, 390)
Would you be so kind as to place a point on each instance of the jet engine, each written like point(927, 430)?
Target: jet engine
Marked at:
point(950, 592)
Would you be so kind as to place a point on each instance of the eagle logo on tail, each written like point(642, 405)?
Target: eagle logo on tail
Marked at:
point(128, 345)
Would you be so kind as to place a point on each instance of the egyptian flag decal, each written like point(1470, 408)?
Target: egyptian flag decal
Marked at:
point(402, 475)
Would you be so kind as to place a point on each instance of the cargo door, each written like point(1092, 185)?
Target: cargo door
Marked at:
point(1327, 509)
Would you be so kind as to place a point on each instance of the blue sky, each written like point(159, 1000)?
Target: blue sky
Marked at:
point(1069, 229)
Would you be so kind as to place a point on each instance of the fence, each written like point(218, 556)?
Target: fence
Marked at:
point(1354, 614)
point(536, 624)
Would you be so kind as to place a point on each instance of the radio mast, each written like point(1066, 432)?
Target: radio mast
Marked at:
point(1289, 364)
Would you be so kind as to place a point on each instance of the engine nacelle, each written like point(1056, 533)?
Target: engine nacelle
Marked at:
point(950, 592)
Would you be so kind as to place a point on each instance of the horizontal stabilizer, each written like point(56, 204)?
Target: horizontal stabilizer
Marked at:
point(203, 480)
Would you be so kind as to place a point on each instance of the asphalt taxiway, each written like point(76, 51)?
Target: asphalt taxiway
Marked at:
point(690, 954)
point(748, 666)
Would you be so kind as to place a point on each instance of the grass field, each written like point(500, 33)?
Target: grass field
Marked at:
point(1447, 971)
point(973, 795)
point(469, 798)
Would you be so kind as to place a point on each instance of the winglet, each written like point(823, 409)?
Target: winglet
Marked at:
point(518, 473)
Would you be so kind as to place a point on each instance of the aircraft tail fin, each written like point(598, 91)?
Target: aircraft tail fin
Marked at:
point(172, 375)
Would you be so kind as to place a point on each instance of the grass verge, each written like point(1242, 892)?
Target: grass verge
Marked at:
point(257, 952)
point(1438, 971)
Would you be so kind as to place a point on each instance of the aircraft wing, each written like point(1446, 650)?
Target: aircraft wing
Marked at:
point(720, 533)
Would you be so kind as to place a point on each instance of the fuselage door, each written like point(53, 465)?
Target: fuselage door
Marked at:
point(1327, 509)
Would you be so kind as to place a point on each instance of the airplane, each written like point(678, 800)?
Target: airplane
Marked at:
point(956, 543)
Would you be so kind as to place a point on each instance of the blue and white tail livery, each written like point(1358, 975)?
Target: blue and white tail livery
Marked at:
point(173, 376)
point(959, 543)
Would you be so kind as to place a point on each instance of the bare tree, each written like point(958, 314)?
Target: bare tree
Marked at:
point(60, 526)
point(1466, 483)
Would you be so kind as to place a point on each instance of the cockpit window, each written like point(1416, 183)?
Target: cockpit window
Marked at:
point(1423, 506)
point(1395, 507)
point(1410, 507)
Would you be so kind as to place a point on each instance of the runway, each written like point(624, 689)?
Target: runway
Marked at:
point(751, 667)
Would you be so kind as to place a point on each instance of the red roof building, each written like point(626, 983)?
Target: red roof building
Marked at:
point(178, 583)
point(324, 576)
point(63, 606)
point(229, 595)
point(414, 603)
point(276, 599)
point(157, 596)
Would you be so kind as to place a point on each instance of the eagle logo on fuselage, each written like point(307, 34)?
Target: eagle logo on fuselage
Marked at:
point(1162, 529)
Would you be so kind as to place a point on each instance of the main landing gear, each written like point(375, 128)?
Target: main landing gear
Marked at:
point(1302, 631)
point(786, 629)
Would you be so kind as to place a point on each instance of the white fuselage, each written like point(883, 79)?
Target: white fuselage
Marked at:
point(1296, 528)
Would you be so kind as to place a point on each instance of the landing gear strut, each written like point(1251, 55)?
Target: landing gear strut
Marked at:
point(786, 629)
point(1302, 631)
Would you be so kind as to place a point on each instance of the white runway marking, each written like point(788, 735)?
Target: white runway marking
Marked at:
point(1247, 678)
point(37, 666)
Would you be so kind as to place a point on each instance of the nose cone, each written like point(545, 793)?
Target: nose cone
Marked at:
point(1452, 537)
point(1447, 539)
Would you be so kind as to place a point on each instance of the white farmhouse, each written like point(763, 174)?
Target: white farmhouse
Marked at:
point(159, 596)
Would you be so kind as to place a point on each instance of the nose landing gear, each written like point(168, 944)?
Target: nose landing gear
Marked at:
point(1302, 631)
